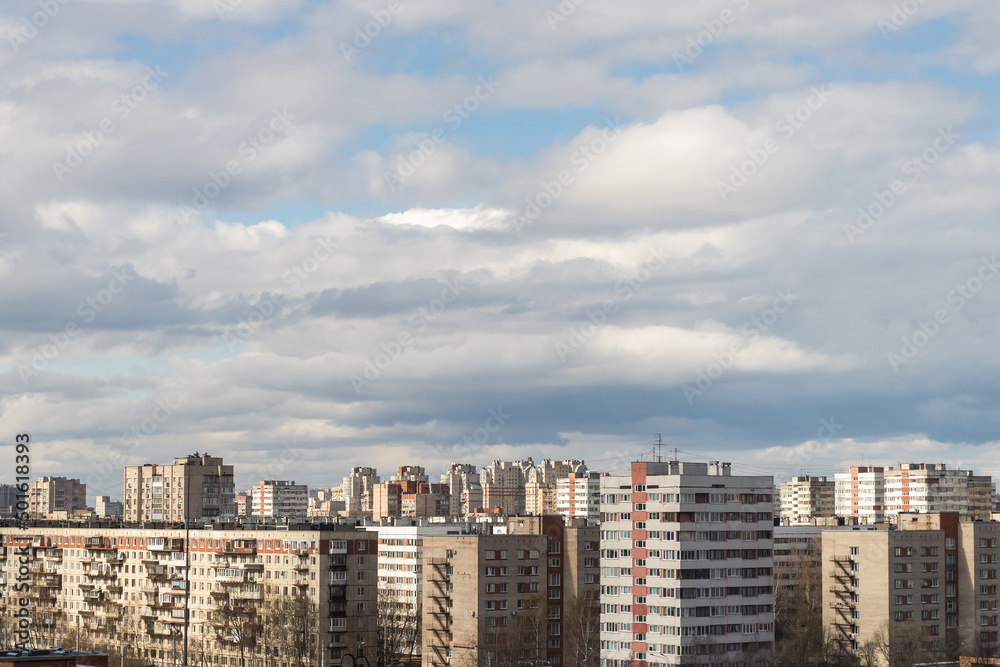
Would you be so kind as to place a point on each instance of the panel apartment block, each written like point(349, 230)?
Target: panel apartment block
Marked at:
point(687, 570)
point(931, 570)
point(130, 587)
point(501, 599)
point(194, 487)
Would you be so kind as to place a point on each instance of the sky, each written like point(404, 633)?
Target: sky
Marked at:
point(307, 235)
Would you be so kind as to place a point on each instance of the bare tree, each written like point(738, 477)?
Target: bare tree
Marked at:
point(398, 627)
point(290, 627)
point(582, 632)
point(902, 644)
point(236, 624)
point(798, 609)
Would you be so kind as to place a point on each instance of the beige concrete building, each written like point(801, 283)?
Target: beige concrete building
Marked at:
point(49, 495)
point(356, 491)
point(133, 587)
point(932, 571)
point(805, 498)
point(505, 484)
point(194, 487)
point(465, 491)
point(511, 598)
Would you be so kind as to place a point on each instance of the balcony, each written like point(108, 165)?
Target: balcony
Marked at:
point(230, 576)
point(237, 548)
point(97, 544)
point(158, 573)
point(165, 544)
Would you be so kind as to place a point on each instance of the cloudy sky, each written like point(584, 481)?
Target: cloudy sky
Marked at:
point(308, 235)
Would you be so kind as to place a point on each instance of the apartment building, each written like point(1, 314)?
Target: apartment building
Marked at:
point(104, 507)
point(860, 494)
point(265, 597)
point(48, 495)
point(505, 484)
point(194, 487)
point(465, 491)
point(871, 494)
point(805, 498)
point(687, 566)
point(931, 570)
point(356, 491)
point(279, 498)
point(409, 498)
point(512, 597)
point(579, 495)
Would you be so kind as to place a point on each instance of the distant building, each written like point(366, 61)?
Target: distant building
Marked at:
point(49, 495)
point(357, 491)
point(805, 498)
point(465, 491)
point(521, 487)
point(579, 495)
point(274, 498)
point(105, 507)
point(194, 487)
point(872, 494)
point(409, 494)
point(8, 499)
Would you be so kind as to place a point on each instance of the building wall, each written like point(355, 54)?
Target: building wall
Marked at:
point(102, 579)
point(194, 487)
point(49, 495)
point(676, 537)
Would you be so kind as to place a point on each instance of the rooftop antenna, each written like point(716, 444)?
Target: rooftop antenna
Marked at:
point(659, 448)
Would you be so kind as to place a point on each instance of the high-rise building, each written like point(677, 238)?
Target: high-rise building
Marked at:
point(804, 498)
point(513, 598)
point(687, 567)
point(246, 594)
point(465, 492)
point(274, 498)
point(860, 494)
point(409, 499)
point(105, 507)
point(49, 495)
point(357, 491)
point(194, 487)
point(931, 579)
point(870, 494)
point(521, 487)
point(579, 495)
point(503, 486)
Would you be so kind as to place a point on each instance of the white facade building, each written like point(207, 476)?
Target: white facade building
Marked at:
point(579, 495)
point(279, 499)
point(687, 569)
